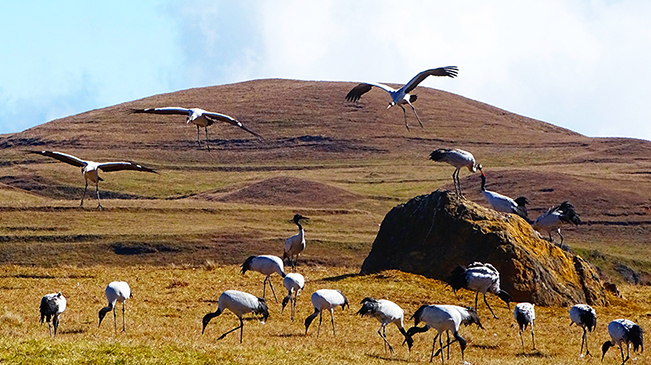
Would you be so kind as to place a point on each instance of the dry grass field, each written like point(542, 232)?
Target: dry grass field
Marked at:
point(178, 236)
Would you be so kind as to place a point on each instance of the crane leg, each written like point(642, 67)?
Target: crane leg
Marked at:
point(521, 340)
point(99, 203)
point(55, 324)
point(198, 140)
point(476, 296)
point(404, 113)
point(440, 347)
point(207, 145)
point(124, 328)
point(489, 307)
point(240, 327)
point(115, 320)
point(84, 194)
point(318, 329)
point(417, 117)
point(382, 333)
point(332, 319)
point(559, 233)
point(533, 340)
point(293, 304)
point(49, 327)
point(585, 335)
point(448, 334)
point(433, 346)
point(272, 289)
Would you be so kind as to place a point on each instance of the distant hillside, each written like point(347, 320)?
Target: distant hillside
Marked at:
point(358, 155)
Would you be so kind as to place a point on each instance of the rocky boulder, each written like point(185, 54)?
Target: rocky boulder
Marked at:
point(431, 234)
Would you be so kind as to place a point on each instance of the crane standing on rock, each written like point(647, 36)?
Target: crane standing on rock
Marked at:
point(457, 158)
point(503, 203)
point(401, 96)
point(553, 218)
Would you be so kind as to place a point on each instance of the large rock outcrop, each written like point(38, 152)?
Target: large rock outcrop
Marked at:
point(431, 234)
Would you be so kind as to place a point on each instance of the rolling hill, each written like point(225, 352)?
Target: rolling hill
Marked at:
point(344, 164)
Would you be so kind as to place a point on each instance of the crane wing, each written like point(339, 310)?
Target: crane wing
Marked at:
point(118, 166)
point(213, 117)
point(450, 71)
point(363, 88)
point(165, 110)
point(63, 157)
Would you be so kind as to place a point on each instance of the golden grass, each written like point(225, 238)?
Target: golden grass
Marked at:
point(163, 320)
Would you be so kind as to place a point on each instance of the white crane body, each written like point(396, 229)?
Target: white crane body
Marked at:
point(325, 300)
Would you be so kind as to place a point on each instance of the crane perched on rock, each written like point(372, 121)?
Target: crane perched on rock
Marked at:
point(457, 158)
point(386, 312)
point(503, 203)
point(478, 277)
point(554, 217)
point(239, 303)
point(401, 96)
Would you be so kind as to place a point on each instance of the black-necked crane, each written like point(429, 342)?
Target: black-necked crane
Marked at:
point(478, 277)
point(325, 299)
point(295, 244)
point(525, 314)
point(240, 303)
point(402, 96)
point(457, 158)
point(503, 203)
point(116, 291)
point(294, 283)
point(200, 117)
point(623, 332)
point(444, 318)
point(553, 218)
point(585, 317)
point(90, 169)
point(265, 265)
point(386, 312)
point(52, 305)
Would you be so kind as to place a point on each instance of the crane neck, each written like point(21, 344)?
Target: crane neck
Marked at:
point(483, 182)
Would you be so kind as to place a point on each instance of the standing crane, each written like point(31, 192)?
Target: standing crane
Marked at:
point(295, 244)
point(525, 314)
point(444, 318)
point(265, 265)
point(457, 158)
point(294, 283)
point(117, 291)
point(52, 305)
point(200, 117)
point(552, 219)
point(386, 312)
point(402, 96)
point(325, 299)
point(503, 203)
point(585, 317)
point(90, 169)
point(478, 277)
point(623, 332)
point(239, 303)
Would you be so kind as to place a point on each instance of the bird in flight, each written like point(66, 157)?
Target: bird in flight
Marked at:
point(402, 96)
point(89, 169)
point(200, 117)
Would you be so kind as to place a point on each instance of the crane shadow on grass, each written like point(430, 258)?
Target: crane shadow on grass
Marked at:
point(342, 277)
point(535, 353)
point(386, 358)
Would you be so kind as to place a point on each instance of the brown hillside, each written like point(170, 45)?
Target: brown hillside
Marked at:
point(360, 150)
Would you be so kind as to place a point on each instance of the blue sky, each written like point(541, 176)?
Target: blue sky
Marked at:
point(579, 64)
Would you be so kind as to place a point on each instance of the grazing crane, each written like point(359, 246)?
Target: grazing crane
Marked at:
point(117, 291)
point(295, 244)
point(89, 169)
point(525, 314)
point(623, 331)
point(585, 317)
point(239, 303)
point(294, 283)
point(444, 318)
point(552, 219)
point(325, 299)
point(200, 117)
point(478, 277)
point(401, 96)
point(386, 312)
point(503, 203)
point(457, 158)
point(52, 305)
point(265, 265)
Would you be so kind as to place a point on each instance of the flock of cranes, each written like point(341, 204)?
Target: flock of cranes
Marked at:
point(477, 277)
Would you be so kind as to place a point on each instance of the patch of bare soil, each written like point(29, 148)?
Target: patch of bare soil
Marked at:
point(287, 191)
point(50, 189)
